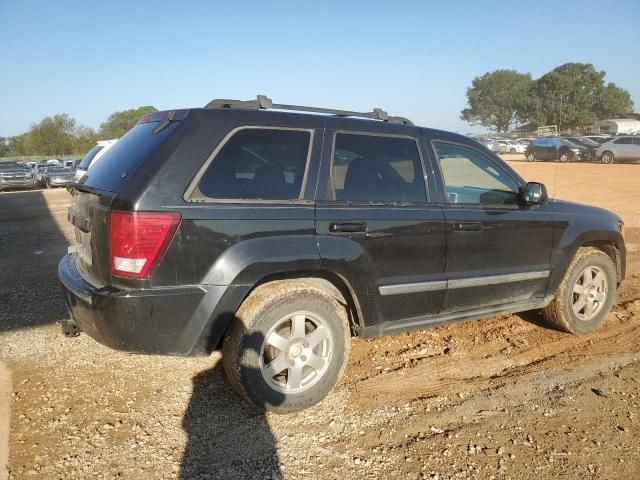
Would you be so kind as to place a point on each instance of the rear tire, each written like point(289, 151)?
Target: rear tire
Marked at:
point(512, 151)
point(607, 157)
point(564, 157)
point(585, 296)
point(531, 157)
point(287, 346)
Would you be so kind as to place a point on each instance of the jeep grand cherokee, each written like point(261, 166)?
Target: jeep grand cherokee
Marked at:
point(277, 232)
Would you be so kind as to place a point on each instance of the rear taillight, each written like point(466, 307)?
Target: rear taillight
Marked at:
point(137, 241)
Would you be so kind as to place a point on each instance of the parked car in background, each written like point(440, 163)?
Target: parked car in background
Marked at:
point(38, 175)
point(619, 149)
point(487, 142)
point(599, 138)
point(93, 156)
point(525, 140)
point(71, 163)
point(58, 177)
point(509, 146)
point(276, 235)
point(15, 175)
point(591, 145)
point(555, 148)
point(54, 162)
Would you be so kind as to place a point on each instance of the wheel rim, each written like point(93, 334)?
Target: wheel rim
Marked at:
point(296, 352)
point(531, 157)
point(564, 158)
point(589, 293)
point(607, 157)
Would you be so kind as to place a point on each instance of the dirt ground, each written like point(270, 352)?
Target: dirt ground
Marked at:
point(504, 397)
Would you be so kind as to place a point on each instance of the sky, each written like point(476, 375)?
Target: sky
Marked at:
point(414, 59)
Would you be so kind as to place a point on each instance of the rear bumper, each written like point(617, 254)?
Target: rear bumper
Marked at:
point(186, 320)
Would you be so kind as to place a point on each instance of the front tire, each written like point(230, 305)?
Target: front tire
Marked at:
point(287, 346)
point(607, 157)
point(585, 296)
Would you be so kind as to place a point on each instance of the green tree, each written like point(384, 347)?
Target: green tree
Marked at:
point(614, 102)
point(499, 99)
point(16, 145)
point(574, 94)
point(51, 136)
point(119, 123)
point(4, 147)
point(85, 140)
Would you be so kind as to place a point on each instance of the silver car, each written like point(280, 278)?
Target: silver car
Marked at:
point(619, 149)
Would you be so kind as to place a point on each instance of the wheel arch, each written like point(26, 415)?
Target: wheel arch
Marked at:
point(329, 282)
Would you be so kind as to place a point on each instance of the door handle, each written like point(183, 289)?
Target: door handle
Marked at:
point(348, 227)
point(467, 226)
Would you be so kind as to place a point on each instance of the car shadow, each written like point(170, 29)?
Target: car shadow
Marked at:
point(31, 245)
point(227, 438)
point(536, 318)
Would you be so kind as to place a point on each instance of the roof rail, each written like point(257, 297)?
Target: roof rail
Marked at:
point(262, 102)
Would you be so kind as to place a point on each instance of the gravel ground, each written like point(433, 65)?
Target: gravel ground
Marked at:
point(504, 397)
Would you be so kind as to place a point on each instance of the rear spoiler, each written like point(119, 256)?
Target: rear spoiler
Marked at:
point(176, 115)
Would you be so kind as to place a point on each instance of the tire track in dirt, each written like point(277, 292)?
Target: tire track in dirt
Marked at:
point(471, 368)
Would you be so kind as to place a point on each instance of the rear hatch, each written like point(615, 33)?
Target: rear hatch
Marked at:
point(94, 194)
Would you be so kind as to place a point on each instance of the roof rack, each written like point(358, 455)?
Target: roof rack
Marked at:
point(262, 102)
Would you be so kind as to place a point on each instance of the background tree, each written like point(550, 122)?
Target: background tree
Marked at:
point(119, 123)
point(499, 99)
point(614, 102)
point(569, 95)
point(51, 136)
point(85, 140)
point(4, 147)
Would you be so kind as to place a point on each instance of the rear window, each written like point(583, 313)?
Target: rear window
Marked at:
point(125, 156)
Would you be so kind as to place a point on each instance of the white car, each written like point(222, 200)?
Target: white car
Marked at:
point(509, 146)
point(619, 149)
point(93, 156)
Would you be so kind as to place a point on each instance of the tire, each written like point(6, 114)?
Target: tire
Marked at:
point(564, 157)
point(512, 151)
point(47, 183)
point(531, 157)
point(269, 317)
point(607, 157)
point(561, 312)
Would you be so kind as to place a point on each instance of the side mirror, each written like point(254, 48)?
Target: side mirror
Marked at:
point(535, 193)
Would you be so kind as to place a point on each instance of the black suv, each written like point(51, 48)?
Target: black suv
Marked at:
point(556, 149)
point(279, 234)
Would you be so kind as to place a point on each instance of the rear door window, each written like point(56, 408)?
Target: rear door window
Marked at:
point(124, 158)
point(257, 164)
point(377, 169)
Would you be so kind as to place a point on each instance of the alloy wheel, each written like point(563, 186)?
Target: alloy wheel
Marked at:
point(296, 352)
point(589, 293)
